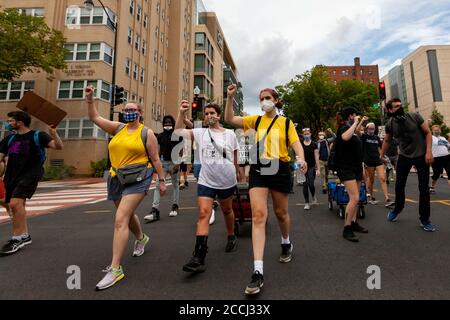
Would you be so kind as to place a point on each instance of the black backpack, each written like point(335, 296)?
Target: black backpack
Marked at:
point(332, 164)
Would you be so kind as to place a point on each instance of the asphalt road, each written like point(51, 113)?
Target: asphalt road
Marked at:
point(413, 264)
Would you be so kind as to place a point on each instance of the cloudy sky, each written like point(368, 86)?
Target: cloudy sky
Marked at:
point(272, 41)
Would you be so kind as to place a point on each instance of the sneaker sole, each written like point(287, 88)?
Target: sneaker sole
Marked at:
point(253, 292)
point(27, 243)
point(110, 285)
point(198, 270)
point(354, 240)
point(232, 250)
point(286, 260)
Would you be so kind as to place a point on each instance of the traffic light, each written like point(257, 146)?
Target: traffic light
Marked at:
point(195, 104)
point(382, 90)
point(118, 95)
point(197, 107)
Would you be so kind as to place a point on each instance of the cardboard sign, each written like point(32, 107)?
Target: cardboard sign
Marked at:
point(42, 109)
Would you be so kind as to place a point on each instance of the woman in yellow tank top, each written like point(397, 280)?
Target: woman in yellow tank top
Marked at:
point(126, 148)
point(262, 182)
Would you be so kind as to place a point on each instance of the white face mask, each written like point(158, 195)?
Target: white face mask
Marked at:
point(168, 128)
point(267, 106)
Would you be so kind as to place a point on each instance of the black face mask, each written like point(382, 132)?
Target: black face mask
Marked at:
point(399, 115)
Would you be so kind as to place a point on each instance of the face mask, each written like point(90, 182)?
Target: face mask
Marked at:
point(307, 138)
point(267, 106)
point(398, 115)
point(168, 128)
point(9, 127)
point(130, 117)
point(212, 122)
point(350, 122)
point(371, 132)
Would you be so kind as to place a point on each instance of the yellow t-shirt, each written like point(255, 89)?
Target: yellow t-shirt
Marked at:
point(127, 148)
point(275, 144)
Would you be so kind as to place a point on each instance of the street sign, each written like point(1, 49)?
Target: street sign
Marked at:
point(376, 106)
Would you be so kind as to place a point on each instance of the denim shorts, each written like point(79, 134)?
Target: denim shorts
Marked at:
point(116, 190)
point(207, 192)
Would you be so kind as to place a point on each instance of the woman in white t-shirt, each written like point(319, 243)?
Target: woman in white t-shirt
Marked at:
point(441, 157)
point(218, 152)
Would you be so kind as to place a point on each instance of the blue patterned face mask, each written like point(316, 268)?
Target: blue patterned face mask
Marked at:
point(8, 126)
point(129, 117)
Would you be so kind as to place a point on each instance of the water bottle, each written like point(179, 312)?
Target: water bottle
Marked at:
point(301, 177)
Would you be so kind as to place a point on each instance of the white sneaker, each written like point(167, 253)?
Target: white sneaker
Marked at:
point(307, 206)
point(213, 217)
point(174, 211)
point(111, 278)
point(139, 246)
point(315, 202)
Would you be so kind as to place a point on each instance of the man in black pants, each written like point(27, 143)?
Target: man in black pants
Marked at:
point(415, 141)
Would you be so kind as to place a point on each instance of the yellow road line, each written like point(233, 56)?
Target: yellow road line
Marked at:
point(99, 211)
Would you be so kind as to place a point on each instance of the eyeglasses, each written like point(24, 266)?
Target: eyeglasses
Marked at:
point(130, 110)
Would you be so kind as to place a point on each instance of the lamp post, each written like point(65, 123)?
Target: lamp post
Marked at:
point(89, 5)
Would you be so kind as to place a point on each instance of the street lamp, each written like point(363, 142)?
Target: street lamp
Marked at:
point(89, 5)
point(197, 91)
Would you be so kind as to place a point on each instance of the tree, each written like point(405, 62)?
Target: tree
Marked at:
point(313, 101)
point(28, 44)
point(438, 119)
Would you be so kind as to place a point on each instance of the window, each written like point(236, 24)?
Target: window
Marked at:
point(160, 85)
point(89, 51)
point(137, 42)
point(199, 81)
point(164, 15)
point(142, 75)
point(79, 128)
point(141, 101)
point(14, 90)
point(130, 36)
point(361, 72)
point(370, 72)
point(433, 67)
point(135, 72)
point(77, 16)
point(158, 7)
point(74, 89)
point(133, 97)
point(157, 32)
point(132, 7)
point(127, 66)
point(139, 13)
point(154, 82)
point(161, 60)
point(166, 66)
point(144, 47)
point(162, 37)
point(145, 21)
point(165, 89)
point(199, 64)
point(35, 12)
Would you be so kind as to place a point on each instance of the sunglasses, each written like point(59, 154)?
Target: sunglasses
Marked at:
point(392, 107)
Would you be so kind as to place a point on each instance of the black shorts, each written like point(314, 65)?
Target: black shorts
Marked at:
point(280, 181)
point(373, 164)
point(183, 167)
point(23, 189)
point(349, 174)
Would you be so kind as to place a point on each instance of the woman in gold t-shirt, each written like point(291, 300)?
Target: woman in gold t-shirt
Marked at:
point(269, 173)
point(127, 148)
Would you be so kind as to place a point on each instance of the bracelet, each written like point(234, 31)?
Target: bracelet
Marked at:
point(162, 180)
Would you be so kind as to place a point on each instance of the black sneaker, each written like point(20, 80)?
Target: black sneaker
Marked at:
point(356, 227)
point(12, 246)
point(153, 216)
point(195, 265)
point(286, 253)
point(27, 240)
point(174, 211)
point(231, 244)
point(349, 234)
point(186, 184)
point(254, 287)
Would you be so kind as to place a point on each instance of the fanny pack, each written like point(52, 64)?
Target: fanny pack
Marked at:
point(131, 174)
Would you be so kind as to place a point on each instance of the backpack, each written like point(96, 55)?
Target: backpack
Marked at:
point(332, 165)
point(41, 151)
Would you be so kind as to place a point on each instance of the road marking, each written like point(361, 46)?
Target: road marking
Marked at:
point(50, 201)
point(99, 211)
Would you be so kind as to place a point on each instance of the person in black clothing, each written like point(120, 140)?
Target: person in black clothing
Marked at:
point(169, 149)
point(312, 159)
point(324, 152)
point(349, 163)
point(415, 140)
point(23, 172)
point(371, 143)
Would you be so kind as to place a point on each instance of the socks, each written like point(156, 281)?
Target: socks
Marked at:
point(259, 266)
point(21, 237)
point(285, 241)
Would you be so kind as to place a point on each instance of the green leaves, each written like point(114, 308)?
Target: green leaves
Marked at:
point(28, 44)
point(313, 101)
